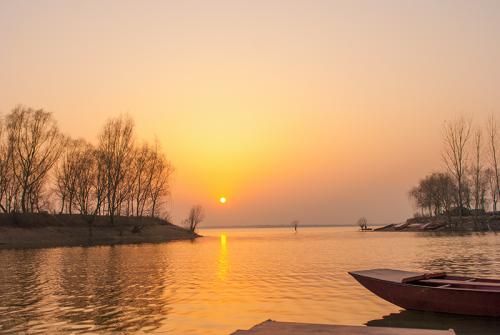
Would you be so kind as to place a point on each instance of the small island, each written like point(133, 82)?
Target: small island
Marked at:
point(464, 195)
point(59, 191)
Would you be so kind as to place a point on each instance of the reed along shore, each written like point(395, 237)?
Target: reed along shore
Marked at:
point(43, 230)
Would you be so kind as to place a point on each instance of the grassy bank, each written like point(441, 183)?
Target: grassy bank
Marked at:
point(60, 230)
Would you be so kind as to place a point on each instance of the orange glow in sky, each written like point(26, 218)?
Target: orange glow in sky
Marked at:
point(299, 109)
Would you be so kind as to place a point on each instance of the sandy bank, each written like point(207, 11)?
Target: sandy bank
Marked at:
point(46, 230)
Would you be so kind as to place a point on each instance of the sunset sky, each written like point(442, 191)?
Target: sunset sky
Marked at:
point(321, 111)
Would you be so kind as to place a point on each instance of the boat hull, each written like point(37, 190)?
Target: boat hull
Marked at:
point(434, 299)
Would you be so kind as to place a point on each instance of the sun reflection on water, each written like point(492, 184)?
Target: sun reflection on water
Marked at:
point(223, 267)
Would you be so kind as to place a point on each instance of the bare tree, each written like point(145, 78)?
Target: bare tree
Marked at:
point(363, 223)
point(435, 193)
point(9, 188)
point(479, 179)
point(456, 137)
point(195, 217)
point(446, 190)
point(35, 144)
point(161, 170)
point(417, 195)
point(116, 151)
point(477, 170)
point(90, 186)
point(493, 146)
point(4, 167)
point(492, 187)
point(142, 178)
point(67, 172)
point(113, 178)
point(467, 192)
point(425, 196)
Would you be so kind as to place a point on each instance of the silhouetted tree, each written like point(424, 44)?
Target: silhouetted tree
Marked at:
point(456, 137)
point(35, 144)
point(9, 187)
point(115, 177)
point(160, 188)
point(363, 223)
point(67, 172)
point(492, 187)
point(116, 153)
point(295, 224)
point(477, 173)
point(150, 180)
point(435, 193)
point(4, 171)
point(493, 146)
point(195, 217)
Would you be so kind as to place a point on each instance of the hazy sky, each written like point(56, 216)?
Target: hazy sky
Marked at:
point(322, 111)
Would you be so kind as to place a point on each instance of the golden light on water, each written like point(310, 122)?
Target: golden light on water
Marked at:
point(223, 240)
point(223, 261)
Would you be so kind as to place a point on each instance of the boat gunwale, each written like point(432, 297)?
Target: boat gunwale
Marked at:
point(443, 287)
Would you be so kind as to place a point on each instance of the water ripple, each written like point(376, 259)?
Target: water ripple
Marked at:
point(212, 287)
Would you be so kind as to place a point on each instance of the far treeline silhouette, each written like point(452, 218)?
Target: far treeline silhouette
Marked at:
point(42, 170)
point(470, 184)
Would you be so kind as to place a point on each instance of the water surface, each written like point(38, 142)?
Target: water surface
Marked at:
point(216, 285)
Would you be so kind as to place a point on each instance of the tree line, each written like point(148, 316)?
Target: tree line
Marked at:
point(470, 181)
point(43, 170)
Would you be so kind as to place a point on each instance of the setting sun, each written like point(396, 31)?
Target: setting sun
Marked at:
point(341, 131)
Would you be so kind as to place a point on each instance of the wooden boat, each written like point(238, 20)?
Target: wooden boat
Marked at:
point(435, 292)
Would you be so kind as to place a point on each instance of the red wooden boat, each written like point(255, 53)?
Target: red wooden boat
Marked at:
point(435, 292)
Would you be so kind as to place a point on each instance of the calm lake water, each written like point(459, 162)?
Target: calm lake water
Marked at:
point(216, 285)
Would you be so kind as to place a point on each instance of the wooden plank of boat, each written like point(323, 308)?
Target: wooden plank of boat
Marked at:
point(270, 327)
point(468, 283)
point(435, 292)
point(397, 276)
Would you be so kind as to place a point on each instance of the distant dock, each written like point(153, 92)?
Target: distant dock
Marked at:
point(270, 327)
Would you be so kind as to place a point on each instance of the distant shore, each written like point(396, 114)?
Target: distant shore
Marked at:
point(481, 223)
point(42, 230)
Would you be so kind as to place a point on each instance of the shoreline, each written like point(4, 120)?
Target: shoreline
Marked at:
point(483, 223)
point(43, 230)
